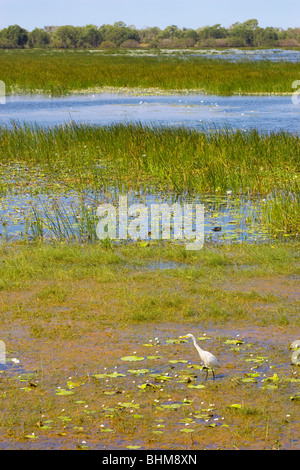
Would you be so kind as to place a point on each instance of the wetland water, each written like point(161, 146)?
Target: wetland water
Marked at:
point(203, 112)
point(265, 113)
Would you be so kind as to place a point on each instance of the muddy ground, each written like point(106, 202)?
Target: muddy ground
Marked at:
point(121, 386)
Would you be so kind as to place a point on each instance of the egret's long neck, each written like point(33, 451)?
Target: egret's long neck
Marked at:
point(195, 344)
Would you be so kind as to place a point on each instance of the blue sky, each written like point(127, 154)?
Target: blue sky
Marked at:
point(189, 13)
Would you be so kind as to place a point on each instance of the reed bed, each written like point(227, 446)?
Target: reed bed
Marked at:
point(61, 72)
point(176, 159)
point(104, 161)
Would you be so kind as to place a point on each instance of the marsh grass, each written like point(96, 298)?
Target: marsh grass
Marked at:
point(62, 270)
point(61, 72)
point(134, 156)
point(98, 163)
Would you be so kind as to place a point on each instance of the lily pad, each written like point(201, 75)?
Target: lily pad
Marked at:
point(132, 358)
point(147, 385)
point(128, 405)
point(257, 359)
point(171, 406)
point(161, 377)
point(112, 375)
point(63, 391)
point(106, 430)
point(196, 386)
point(295, 397)
point(237, 406)
point(274, 378)
point(234, 341)
point(138, 371)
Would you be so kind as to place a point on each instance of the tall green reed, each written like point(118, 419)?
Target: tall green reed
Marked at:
point(60, 72)
point(103, 161)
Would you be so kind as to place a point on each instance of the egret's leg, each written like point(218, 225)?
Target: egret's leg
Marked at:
point(213, 372)
point(206, 374)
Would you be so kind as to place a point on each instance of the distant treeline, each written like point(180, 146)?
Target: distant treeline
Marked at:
point(247, 34)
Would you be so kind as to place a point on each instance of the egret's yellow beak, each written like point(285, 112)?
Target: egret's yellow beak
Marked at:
point(183, 336)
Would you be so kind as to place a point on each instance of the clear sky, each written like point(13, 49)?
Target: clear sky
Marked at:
point(140, 13)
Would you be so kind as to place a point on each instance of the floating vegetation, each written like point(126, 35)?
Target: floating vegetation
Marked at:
point(132, 358)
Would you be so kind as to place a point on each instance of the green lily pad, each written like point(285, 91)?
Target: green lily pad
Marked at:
point(65, 419)
point(295, 397)
point(138, 371)
point(74, 384)
point(148, 385)
point(128, 405)
point(160, 377)
point(234, 341)
point(257, 359)
point(236, 406)
point(132, 358)
point(171, 406)
point(63, 391)
point(111, 376)
point(274, 378)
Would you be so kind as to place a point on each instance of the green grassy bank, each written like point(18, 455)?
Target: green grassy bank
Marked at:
point(61, 72)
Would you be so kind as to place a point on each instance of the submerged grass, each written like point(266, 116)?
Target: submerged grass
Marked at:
point(101, 162)
point(60, 72)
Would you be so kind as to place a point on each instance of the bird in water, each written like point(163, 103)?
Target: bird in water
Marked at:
point(208, 359)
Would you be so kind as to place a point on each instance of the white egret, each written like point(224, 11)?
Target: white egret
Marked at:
point(208, 359)
point(295, 344)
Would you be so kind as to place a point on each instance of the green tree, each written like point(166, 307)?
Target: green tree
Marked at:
point(119, 33)
point(147, 35)
point(67, 37)
point(170, 32)
point(89, 36)
point(38, 38)
point(245, 32)
point(13, 37)
point(212, 32)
